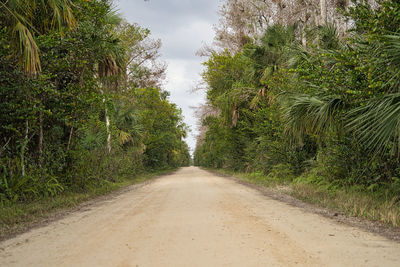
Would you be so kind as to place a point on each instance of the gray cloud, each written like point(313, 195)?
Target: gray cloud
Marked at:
point(182, 26)
point(184, 41)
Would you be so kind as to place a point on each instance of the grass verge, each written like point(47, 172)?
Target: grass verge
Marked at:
point(379, 206)
point(18, 217)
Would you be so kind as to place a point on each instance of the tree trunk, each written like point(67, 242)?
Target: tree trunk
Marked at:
point(303, 33)
point(280, 12)
point(322, 4)
point(40, 143)
point(107, 121)
point(108, 129)
point(23, 148)
point(303, 39)
point(70, 138)
point(5, 145)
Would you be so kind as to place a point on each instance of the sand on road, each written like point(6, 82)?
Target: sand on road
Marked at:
point(194, 218)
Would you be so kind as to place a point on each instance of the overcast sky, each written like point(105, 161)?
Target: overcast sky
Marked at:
point(183, 26)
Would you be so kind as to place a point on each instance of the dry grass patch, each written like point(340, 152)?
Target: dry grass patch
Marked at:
point(377, 207)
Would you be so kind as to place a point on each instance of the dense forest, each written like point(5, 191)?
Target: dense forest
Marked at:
point(305, 91)
point(82, 102)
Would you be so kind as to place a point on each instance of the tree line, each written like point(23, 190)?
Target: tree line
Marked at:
point(82, 102)
point(305, 90)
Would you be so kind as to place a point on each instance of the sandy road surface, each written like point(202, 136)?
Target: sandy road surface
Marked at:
point(193, 218)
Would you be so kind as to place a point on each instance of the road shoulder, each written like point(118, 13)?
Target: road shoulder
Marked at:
point(283, 194)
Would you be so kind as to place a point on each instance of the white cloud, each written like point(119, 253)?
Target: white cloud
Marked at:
point(183, 26)
point(182, 77)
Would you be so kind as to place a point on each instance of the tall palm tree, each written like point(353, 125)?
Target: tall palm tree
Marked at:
point(20, 19)
point(111, 64)
point(261, 63)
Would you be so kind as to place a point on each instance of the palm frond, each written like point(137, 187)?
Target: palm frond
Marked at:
point(325, 36)
point(386, 53)
point(127, 122)
point(113, 18)
point(297, 53)
point(392, 49)
point(124, 137)
point(108, 67)
point(377, 123)
point(28, 48)
point(62, 14)
point(310, 115)
point(20, 19)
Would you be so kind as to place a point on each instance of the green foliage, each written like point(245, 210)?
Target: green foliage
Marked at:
point(77, 122)
point(329, 109)
point(24, 20)
point(163, 129)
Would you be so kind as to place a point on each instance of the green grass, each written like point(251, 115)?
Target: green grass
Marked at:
point(381, 205)
point(19, 216)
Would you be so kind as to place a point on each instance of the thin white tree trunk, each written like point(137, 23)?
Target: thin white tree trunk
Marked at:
point(108, 129)
point(303, 39)
point(303, 34)
point(107, 123)
point(322, 4)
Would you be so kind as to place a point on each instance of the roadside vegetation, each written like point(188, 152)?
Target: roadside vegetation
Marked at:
point(308, 96)
point(82, 108)
point(21, 216)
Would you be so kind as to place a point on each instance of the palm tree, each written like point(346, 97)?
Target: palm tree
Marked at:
point(377, 121)
point(311, 115)
point(24, 19)
point(262, 62)
point(127, 123)
point(318, 112)
point(111, 64)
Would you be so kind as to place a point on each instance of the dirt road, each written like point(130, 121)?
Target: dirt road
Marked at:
point(193, 218)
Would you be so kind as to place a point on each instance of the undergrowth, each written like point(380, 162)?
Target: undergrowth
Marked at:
point(17, 216)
